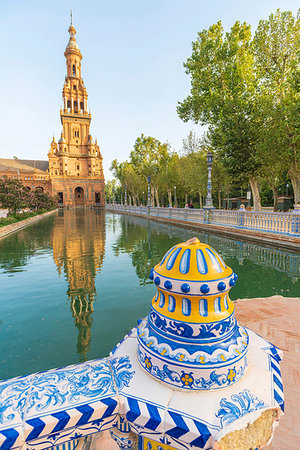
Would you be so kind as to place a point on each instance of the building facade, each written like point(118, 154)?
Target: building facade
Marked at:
point(73, 172)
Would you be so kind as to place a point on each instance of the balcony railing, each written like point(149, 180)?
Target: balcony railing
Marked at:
point(267, 221)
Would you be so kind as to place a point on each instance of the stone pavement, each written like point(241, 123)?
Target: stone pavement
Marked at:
point(277, 319)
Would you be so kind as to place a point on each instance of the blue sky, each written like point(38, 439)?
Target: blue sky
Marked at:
point(133, 54)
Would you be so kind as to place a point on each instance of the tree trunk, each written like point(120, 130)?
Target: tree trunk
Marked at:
point(129, 200)
point(134, 200)
point(294, 174)
point(200, 201)
point(186, 200)
point(137, 200)
point(220, 199)
point(255, 193)
point(170, 197)
point(275, 198)
point(156, 196)
point(152, 196)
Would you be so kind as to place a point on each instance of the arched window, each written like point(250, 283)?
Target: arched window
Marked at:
point(74, 70)
point(69, 104)
point(81, 106)
point(77, 166)
point(75, 106)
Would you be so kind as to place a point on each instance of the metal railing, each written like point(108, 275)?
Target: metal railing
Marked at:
point(273, 222)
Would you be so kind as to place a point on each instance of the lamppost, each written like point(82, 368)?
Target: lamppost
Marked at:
point(125, 195)
point(149, 193)
point(209, 202)
point(175, 198)
point(113, 196)
point(121, 198)
point(287, 189)
point(143, 198)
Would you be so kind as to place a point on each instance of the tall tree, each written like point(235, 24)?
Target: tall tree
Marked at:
point(146, 158)
point(222, 96)
point(276, 47)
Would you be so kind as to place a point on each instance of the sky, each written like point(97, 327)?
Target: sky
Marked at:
point(133, 54)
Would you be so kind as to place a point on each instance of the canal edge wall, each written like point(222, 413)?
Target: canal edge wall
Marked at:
point(293, 243)
point(11, 228)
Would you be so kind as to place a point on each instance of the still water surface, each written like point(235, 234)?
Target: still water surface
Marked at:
point(73, 284)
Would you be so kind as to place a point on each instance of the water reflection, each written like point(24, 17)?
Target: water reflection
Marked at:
point(147, 241)
point(78, 241)
point(52, 272)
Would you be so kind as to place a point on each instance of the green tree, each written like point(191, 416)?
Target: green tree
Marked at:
point(223, 96)
point(276, 47)
point(147, 158)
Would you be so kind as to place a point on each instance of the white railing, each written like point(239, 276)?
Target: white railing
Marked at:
point(282, 223)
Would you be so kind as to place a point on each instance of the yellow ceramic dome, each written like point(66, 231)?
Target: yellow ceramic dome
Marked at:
point(194, 261)
point(193, 283)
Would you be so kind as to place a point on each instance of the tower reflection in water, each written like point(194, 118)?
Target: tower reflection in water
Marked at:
point(78, 251)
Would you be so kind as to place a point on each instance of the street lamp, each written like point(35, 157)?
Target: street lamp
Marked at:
point(113, 196)
point(209, 202)
point(175, 198)
point(121, 198)
point(149, 193)
point(287, 189)
point(125, 195)
point(143, 198)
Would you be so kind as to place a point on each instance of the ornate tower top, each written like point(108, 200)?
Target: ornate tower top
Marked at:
point(73, 54)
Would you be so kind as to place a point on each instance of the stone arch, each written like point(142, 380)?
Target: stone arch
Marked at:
point(79, 196)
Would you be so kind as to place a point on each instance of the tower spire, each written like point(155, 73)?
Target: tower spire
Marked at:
point(71, 17)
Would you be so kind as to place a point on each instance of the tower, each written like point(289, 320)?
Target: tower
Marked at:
point(75, 162)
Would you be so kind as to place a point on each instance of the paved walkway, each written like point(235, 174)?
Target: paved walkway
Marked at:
point(277, 319)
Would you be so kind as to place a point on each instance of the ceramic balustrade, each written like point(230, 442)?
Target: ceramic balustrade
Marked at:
point(281, 223)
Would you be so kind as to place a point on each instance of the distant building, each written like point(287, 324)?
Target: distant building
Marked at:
point(74, 171)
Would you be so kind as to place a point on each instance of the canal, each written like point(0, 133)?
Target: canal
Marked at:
point(73, 284)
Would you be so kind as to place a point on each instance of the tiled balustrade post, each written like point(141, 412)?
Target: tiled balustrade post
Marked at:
point(296, 219)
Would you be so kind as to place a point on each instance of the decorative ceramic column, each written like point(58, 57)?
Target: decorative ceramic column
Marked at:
point(191, 339)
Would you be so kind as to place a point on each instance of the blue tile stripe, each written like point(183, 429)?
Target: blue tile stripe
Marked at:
point(87, 412)
point(38, 426)
point(134, 410)
point(112, 406)
point(11, 435)
point(276, 376)
point(181, 427)
point(84, 412)
point(155, 418)
point(204, 434)
point(63, 419)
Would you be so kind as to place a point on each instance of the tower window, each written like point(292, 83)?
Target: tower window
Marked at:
point(75, 106)
point(69, 104)
point(74, 70)
point(74, 87)
point(76, 133)
point(77, 166)
point(81, 106)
